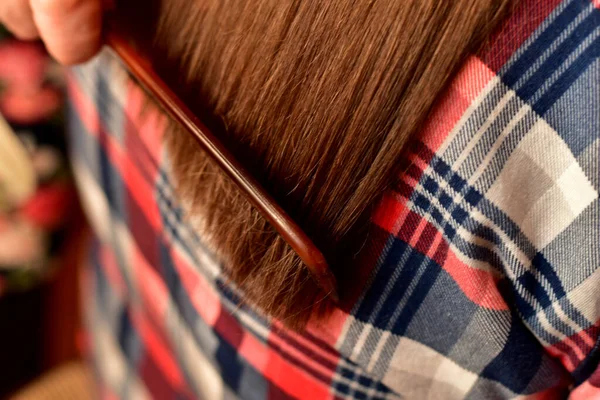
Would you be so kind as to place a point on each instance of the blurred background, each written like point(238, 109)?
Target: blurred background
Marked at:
point(41, 226)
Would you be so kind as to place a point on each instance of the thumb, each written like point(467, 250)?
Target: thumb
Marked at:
point(71, 29)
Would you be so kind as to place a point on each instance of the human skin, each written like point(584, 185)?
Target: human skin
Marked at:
point(70, 29)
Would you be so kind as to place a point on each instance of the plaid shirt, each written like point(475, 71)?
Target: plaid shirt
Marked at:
point(484, 266)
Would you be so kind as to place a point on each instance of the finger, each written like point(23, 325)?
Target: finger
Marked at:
point(16, 15)
point(71, 29)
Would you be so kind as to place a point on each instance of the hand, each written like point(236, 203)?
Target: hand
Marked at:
point(71, 29)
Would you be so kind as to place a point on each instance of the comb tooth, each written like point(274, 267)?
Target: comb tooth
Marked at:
point(318, 267)
point(327, 282)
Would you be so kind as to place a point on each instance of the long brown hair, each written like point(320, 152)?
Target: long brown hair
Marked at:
point(319, 98)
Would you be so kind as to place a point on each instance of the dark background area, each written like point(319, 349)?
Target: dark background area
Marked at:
point(39, 328)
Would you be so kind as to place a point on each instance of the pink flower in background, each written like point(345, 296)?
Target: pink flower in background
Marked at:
point(30, 96)
point(22, 64)
point(46, 161)
point(48, 208)
point(21, 244)
point(25, 98)
point(26, 107)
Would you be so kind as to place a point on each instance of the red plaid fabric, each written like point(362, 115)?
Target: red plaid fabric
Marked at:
point(484, 265)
